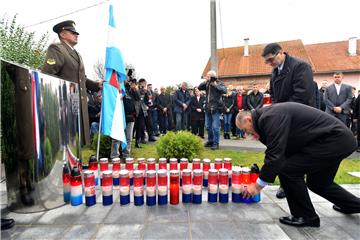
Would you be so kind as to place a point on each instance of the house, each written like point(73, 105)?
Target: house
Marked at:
point(244, 65)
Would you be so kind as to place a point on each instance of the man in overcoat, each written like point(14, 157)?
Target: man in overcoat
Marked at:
point(301, 141)
point(65, 62)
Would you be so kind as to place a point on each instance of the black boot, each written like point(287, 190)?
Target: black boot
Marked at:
point(137, 145)
point(7, 223)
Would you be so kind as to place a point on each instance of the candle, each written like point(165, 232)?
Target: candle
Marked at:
point(196, 163)
point(104, 165)
point(76, 195)
point(197, 186)
point(254, 175)
point(173, 164)
point(245, 181)
point(129, 165)
point(162, 187)
point(151, 187)
point(162, 163)
point(93, 166)
point(228, 166)
point(124, 187)
point(151, 164)
point(115, 171)
point(236, 185)
point(141, 164)
point(107, 191)
point(218, 163)
point(138, 187)
point(89, 187)
point(174, 187)
point(66, 182)
point(223, 185)
point(213, 185)
point(186, 187)
point(206, 168)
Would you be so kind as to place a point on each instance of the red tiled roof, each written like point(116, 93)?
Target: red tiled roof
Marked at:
point(322, 57)
point(333, 56)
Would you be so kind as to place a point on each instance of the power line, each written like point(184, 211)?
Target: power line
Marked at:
point(67, 14)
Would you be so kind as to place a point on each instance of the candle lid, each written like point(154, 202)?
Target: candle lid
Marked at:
point(174, 173)
point(162, 172)
point(223, 171)
point(218, 159)
point(186, 172)
point(151, 173)
point(88, 173)
point(213, 171)
point(138, 173)
point(103, 160)
point(141, 160)
point(124, 173)
point(151, 160)
point(162, 160)
point(173, 160)
point(115, 160)
point(227, 159)
point(129, 160)
point(198, 172)
point(107, 173)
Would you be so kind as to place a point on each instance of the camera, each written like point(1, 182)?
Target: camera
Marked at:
point(212, 79)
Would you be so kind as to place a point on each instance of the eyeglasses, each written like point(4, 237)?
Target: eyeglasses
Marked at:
point(271, 59)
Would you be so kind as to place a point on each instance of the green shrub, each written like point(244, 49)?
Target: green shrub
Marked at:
point(179, 145)
point(105, 145)
point(47, 155)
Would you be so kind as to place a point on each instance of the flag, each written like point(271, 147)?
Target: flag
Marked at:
point(35, 92)
point(112, 110)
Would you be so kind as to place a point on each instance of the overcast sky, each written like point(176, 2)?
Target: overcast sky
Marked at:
point(168, 41)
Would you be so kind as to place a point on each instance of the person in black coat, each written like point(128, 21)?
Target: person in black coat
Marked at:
point(321, 94)
point(229, 105)
point(197, 113)
point(301, 141)
point(255, 99)
point(182, 101)
point(164, 109)
point(356, 118)
point(291, 81)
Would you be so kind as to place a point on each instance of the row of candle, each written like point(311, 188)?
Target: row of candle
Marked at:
point(218, 182)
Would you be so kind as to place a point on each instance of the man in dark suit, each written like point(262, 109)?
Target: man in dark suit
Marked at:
point(182, 101)
point(337, 98)
point(164, 108)
point(65, 62)
point(291, 81)
point(197, 113)
point(321, 95)
point(301, 141)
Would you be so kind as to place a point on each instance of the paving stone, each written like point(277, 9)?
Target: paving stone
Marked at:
point(42, 232)
point(86, 231)
point(294, 232)
point(94, 214)
point(66, 215)
point(210, 212)
point(260, 231)
point(166, 231)
point(349, 223)
point(274, 210)
point(23, 219)
point(215, 230)
point(326, 210)
point(120, 231)
point(168, 213)
point(128, 214)
point(13, 233)
point(250, 213)
point(327, 230)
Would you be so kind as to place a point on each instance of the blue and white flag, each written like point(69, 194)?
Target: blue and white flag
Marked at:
point(112, 112)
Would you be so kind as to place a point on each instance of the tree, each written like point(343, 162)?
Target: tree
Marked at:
point(99, 69)
point(19, 46)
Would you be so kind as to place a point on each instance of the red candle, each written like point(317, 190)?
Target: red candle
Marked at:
point(206, 164)
point(174, 187)
point(223, 176)
point(218, 163)
point(198, 177)
point(138, 178)
point(162, 163)
point(236, 175)
point(162, 178)
point(104, 164)
point(124, 178)
point(186, 177)
point(183, 164)
point(116, 164)
point(196, 163)
point(213, 176)
point(129, 164)
point(107, 180)
point(173, 164)
point(245, 176)
point(227, 164)
point(151, 164)
point(150, 178)
point(141, 164)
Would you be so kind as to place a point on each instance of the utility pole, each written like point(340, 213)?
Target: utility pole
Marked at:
point(214, 65)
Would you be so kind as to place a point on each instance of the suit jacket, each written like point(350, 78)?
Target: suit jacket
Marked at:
point(194, 104)
point(66, 63)
point(342, 100)
point(179, 99)
point(292, 128)
point(294, 83)
point(164, 101)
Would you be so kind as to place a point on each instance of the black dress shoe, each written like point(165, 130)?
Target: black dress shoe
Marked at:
point(345, 211)
point(7, 223)
point(152, 139)
point(137, 145)
point(280, 194)
point(215, 147)
point(300, 221)
point(208, 144)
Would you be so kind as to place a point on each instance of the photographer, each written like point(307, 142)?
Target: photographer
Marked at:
point(213, 107)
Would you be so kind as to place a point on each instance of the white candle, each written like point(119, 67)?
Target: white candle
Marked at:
point(224, 189)
point(138, 191)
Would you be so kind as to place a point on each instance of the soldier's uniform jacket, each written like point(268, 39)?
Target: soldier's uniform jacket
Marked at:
point(63, 61)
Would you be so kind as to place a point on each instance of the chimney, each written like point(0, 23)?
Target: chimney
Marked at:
point(246, 47)
point(352, 46)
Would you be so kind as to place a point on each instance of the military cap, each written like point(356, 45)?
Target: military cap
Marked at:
point(65, 25)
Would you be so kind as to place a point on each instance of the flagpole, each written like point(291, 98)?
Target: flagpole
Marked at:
point(99, 134)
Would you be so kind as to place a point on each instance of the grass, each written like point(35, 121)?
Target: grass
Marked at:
point(245, 158)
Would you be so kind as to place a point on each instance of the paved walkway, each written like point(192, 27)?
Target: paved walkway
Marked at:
point(205, 221)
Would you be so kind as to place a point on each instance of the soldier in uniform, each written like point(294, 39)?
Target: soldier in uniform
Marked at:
point(65, 62)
